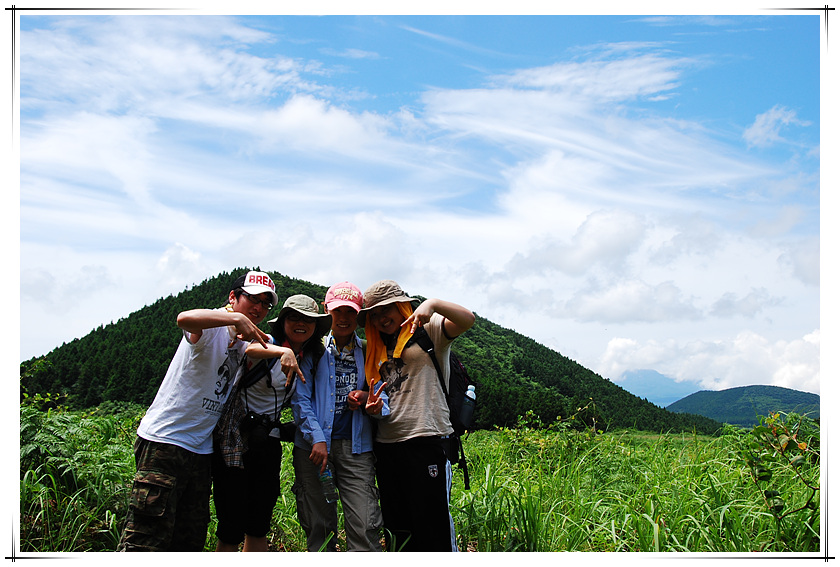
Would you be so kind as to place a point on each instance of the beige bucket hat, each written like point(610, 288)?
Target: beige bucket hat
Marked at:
point(382, 292)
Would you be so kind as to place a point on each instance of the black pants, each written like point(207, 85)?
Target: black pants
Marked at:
point(414, 478)
point(245, 498)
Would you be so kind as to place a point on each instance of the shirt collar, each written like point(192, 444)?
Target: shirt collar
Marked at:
point(351, 346)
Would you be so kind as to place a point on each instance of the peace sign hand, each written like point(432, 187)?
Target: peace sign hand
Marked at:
point(374, 403)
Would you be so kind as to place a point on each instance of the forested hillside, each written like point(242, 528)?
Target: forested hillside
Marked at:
point(126, 361)
point(742, 405)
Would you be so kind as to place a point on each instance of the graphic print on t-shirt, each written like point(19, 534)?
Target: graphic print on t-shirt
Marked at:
point(391, 372)
point(226, 373)
point(345, 382)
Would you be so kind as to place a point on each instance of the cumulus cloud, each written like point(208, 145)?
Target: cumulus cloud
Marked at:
point(730, 305)
point(744, 359)
point(365, 246)
point(693, 236)
point(631, 301)
point(179, 264)
point(767, 126)
point(605, 237)
point(802, 259)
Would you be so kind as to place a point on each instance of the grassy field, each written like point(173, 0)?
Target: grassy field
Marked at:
point(533, 488)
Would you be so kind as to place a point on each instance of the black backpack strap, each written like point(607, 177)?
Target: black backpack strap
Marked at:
point(461, 458)
point(260, 369)
point(424, 341)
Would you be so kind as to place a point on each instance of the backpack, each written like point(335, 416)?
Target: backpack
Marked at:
point(458, 382)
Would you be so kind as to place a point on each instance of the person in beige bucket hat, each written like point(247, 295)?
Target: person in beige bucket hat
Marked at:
point(412, 468)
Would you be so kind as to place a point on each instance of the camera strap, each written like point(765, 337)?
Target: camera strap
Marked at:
point(252, 376)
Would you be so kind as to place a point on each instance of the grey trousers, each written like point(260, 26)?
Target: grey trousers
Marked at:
point(355, 479)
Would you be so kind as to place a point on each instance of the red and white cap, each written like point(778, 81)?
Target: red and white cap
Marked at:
point(343, 293)
point(255, 283)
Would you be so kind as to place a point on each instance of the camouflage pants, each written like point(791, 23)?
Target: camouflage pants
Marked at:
point(169, 507)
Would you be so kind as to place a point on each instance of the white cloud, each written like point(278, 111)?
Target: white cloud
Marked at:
point(693, 236)
point(605, 237)
point(602, 81)
point(729, 305)
point(765, 130)
point(744, 359)
point(631, 300)
point(802, 258)
point(555, 200)
point(351, 53)
point(179, 264)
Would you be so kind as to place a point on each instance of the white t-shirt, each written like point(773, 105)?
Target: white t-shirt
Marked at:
point(194, 391)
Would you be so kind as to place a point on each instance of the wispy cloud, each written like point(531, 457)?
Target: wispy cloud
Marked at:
point(615, 80)
point(450, 41)
point(350, 53)
point(766, 129)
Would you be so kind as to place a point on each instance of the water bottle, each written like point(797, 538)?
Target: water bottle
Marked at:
point(328, 486)
point(468, 407)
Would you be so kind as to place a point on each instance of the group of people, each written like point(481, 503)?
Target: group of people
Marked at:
point(371, 413)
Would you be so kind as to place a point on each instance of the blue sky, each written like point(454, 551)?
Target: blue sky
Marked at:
point(634, 191)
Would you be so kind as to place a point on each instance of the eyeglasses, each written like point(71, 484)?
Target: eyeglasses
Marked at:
point(254, 299)
point(296, 318)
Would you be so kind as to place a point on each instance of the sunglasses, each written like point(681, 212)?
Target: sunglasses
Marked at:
point(254, 299)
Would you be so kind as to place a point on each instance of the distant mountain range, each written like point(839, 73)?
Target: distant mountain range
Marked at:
point(656, 388)
point(741, 406)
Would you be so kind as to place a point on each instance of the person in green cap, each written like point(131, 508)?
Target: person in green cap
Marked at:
point(248, 451)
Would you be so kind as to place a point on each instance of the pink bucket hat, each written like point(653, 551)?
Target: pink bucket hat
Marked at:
point(343, 293)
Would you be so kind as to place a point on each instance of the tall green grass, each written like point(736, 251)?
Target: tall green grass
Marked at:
point(533, 489)
point(75, 469)
point(543, 490)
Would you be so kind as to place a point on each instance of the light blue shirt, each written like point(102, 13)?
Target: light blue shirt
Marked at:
point(313, 403)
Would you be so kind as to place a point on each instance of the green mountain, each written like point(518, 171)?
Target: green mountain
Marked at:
point(126, 361)
point(741, 406)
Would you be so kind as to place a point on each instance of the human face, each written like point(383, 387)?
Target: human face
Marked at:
point(252, 306)
point(343, 323)
point(299, 329)
point(386, 319)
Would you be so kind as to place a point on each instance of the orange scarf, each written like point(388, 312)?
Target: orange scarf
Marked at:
point(377, 352)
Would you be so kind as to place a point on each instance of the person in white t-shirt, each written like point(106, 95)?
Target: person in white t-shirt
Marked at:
point(169, 508)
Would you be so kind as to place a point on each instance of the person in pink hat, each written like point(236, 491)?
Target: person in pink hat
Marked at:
point(333, 410)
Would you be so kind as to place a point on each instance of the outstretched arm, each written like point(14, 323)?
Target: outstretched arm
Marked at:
point(458, 318)
point(288, 360)
point(196, 320)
